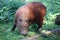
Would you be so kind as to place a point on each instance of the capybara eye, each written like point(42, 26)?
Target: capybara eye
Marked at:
point(20, 19)
point(27, 20)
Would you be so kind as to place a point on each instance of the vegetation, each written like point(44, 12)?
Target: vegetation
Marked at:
point(8, 9)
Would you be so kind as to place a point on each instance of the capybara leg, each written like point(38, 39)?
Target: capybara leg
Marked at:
point(14, 26)
point(39, 25)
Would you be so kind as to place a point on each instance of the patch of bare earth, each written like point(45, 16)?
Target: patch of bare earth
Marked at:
point(44, 32)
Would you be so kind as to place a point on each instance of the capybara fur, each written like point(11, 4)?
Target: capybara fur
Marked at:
point(31, 13)
point(57, 20)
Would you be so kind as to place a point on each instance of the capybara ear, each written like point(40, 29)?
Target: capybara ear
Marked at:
point(14, 26)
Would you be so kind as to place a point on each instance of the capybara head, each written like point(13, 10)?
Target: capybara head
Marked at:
point(29, 14)
point(23, 20)
point(23, 24)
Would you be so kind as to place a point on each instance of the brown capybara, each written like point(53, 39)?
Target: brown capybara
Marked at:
point(57, 20)
point(31, 13)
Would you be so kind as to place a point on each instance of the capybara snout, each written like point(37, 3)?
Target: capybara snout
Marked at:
point(31, 13)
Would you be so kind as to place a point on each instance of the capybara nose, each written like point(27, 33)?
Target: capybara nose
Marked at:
point(24, 33)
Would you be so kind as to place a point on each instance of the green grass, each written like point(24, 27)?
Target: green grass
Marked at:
point(6, 34)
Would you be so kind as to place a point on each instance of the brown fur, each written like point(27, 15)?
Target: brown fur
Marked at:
point(29, 14)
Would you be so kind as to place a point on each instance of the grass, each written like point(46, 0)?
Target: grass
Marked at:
point(6, 34)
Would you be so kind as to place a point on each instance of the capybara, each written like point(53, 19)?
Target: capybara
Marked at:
point(57, 20)
point(31, 13)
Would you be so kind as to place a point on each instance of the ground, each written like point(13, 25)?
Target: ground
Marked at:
point(6, 34)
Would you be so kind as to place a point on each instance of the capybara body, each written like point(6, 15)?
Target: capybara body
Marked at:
point(31, 13)
point(57, 20)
